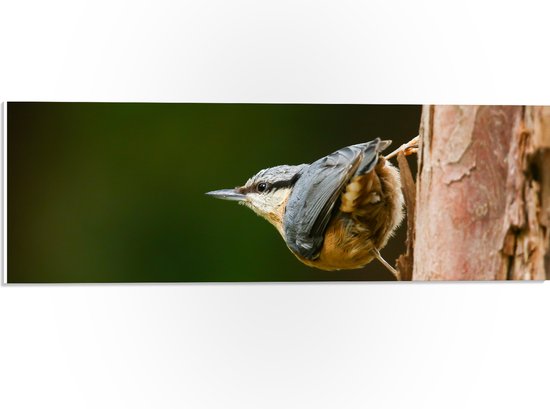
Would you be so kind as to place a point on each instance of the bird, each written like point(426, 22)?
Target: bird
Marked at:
point(336, 213)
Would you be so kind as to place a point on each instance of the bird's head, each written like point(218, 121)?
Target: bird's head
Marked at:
point(266, 193)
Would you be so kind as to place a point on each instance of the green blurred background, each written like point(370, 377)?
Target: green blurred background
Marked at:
point(114, 192)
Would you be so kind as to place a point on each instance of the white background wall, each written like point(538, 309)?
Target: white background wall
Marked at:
point(355, 345)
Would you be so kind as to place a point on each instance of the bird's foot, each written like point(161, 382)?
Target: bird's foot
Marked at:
point(387, 265)
point(409, 148)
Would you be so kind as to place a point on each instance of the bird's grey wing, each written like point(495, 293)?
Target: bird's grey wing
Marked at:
point(314, 195)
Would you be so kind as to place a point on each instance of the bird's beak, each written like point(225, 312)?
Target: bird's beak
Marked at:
point(227, 194)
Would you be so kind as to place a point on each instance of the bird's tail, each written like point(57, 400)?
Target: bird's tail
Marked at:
point(371, 153)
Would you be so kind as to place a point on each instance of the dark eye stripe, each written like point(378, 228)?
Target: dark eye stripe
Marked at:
point(286, 183)
point(270, 186)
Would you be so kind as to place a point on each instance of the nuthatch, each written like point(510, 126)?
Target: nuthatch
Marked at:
point(336, 213)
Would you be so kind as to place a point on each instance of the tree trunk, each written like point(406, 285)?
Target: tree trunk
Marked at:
point(483, 193)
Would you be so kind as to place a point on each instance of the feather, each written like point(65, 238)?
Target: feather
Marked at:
point(311, 203)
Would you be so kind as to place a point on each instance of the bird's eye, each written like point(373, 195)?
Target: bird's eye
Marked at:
point(262, 187)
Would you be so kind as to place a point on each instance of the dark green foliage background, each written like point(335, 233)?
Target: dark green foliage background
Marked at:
point(114, 192)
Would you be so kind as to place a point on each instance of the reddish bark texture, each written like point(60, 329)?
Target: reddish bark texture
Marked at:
point(483, 193)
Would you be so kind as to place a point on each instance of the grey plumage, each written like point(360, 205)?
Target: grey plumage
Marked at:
point(278, 176)
point(311, 204)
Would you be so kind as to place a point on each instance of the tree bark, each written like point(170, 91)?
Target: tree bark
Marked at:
point(483, 193)
point(405, 262)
